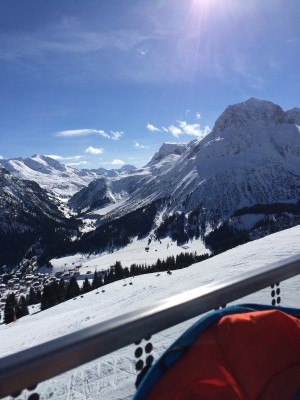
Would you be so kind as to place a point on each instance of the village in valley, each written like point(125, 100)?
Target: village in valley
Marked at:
point(28, 281)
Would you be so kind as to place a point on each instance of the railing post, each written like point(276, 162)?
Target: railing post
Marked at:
point(143, 366)
point(275, 294)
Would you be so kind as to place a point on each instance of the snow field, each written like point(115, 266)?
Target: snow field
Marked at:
point(113, 376)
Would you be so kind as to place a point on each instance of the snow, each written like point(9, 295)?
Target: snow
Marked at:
point(113, 376)
point(135, 252)
point(62, 180)
point(107, 209)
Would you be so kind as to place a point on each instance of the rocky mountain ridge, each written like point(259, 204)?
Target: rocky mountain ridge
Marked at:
point(61, 180)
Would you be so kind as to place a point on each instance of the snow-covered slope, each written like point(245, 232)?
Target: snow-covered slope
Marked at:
point(113, 376)
point(167, 154)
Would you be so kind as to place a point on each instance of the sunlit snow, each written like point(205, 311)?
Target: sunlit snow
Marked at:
point(113, 376)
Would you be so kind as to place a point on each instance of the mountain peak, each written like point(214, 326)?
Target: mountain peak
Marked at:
point(168, 149)
point(252, 110)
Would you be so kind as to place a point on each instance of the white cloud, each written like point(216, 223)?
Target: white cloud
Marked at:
point(82, 132)
point(94, 150)
point(187, 129)
point(194, 129)
point(116, 135)
point(54, 156)
point(140, 146)
point(57, 157)
point(1, 157)
point(143, 52)
point(198, 115)
point(77, 163)
point(115, 162)
point(174, 130)
point(152, 128)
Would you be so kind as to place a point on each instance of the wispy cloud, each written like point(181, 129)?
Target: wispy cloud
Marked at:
point(188, 129)
point(174, 130)
point(94, 150)
point(116, 135)
point(73, 164)
point(113, 135)
point(247, 71)
point(81, 132)
point(193, 129)
point(152, 128)
point(57, 157)
point(198, 115)
point(68, 36)
point(140, 146)
point(71, 49)
point(1, 157)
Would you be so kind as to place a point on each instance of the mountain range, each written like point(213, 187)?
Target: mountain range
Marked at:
point(240, 182)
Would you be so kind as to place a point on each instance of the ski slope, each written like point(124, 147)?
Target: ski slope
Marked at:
point(113, 376)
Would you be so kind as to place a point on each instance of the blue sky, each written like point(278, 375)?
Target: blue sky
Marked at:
point(101, 83)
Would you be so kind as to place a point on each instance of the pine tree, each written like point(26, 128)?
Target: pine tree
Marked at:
point(9, 309)
point(48, 297)
point(21, 308)
point(86, 287)
point(32, 297)
point(61, 291)
point(119, 273)
point(38, 296)
point(96, 281)
point(73, 289)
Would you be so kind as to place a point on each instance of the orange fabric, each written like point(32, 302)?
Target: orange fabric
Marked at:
point(250, 356)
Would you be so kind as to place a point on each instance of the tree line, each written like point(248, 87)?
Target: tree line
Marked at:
point(58, 291)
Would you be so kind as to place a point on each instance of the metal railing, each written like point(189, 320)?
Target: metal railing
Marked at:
point(32, 366)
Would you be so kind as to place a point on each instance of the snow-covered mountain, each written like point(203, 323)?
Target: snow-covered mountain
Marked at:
point(250, 158)
point(240, 182)
point(115, 189)
point(30, 222)
point(60, 179)
point(113, 377)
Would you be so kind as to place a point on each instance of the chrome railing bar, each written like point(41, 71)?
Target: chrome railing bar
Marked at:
point(31, 366)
